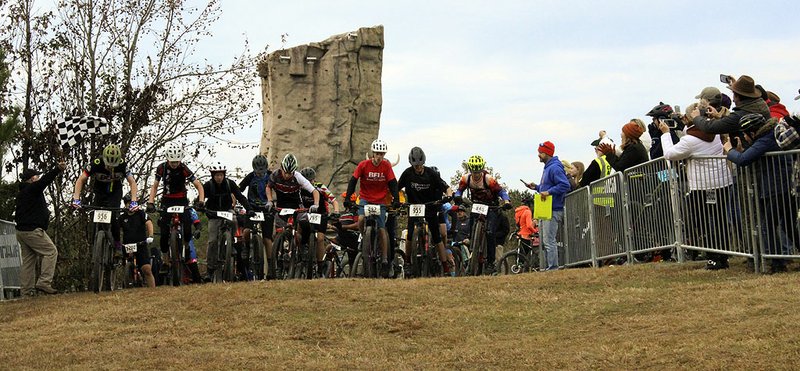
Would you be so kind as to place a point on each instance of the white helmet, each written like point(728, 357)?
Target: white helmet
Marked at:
point(379, 145)
point(217, 167)
point(174, 152)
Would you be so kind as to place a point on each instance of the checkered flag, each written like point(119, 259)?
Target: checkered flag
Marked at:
point(72, 130)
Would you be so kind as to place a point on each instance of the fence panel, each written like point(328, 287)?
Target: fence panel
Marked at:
point(10, 258)
point(650, 207)
point(578, 228)
point(608, 216)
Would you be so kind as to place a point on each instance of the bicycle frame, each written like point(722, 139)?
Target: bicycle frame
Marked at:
point(287, 257)
point(102, 250)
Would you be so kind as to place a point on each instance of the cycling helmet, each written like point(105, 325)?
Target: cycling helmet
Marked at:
point(260, 163)
point(289, 163)
point(379, 146)
point(174, 152)
point(416, 156)
point(661, 111)
point(308, 173)
point(752, 122)
point(475, 163)
point(112, 155)
point(217, 167)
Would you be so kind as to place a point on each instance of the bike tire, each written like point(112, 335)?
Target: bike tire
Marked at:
point(398, 262)
point(175, 269)
point(280, 257)
point(458, 263)
point(357, 267)
point(259, 251)
point(513, 262)
point(96, 278)
point(479, 252)
point(417, 253)
point(228, 273)
point(366, 252)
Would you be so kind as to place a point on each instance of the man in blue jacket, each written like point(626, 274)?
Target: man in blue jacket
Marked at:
point(554, 184)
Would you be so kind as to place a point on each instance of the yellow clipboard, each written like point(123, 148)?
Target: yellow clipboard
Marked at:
point(542, 209)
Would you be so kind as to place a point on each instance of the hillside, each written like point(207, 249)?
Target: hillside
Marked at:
point(633, 317)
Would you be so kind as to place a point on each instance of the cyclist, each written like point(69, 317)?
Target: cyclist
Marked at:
point(256, 184)
point(287, 182)
point(175, 175)
point(483, 188)
point(107, 173)
point(137, 227)
point(422, 185)
point(220, 193)
point(324, 209)
point(377, 185)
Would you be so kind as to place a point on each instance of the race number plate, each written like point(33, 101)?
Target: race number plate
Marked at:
point(416, 210)
point(372, 210)
point(225, 215)
point(258, 217)
point(102, 216)
point(131, 248)
point(314, 218)
point(480, 209)
point(287, 211)
point(175, 209)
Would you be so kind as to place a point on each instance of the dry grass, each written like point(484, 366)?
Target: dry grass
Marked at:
point(662, 316)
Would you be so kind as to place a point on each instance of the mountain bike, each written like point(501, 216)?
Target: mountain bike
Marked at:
point(525, 258)
point(225, 247)
point(133, 276)
point(103, 264)
point(367, 262)
point(478, 259)
point(424, 254)
point(176, 255)
point(292, 260)
point(258, 252)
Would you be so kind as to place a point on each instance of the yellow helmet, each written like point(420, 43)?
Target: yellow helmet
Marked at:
point(476, 163)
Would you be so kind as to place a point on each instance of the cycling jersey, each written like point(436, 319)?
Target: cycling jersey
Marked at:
point(105, 181)
point(422, 188)
point(374, 181)
point(288, 190)
point(134, 229)
point(256, 187)
point(485, 190)
point(219, 196)
point(325, 197)
point(174, 180)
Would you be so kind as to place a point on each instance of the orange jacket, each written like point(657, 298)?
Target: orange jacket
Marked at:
point(522, 215)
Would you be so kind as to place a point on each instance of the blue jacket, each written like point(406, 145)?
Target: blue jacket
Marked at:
point(554, 181)
point(772, 173)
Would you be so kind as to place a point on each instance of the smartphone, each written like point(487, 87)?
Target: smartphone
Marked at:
point(524, 182)
point(670, 123)
point(725, 79)
point(677, 109)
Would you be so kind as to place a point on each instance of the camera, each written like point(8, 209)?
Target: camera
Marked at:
point(671, 123)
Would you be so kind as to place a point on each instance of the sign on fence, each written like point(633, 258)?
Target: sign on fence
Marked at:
point(10, 259)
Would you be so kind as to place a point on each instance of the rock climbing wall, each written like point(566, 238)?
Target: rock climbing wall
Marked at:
point(322, 102)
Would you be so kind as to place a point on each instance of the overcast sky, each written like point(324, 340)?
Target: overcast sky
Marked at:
point(496, 79)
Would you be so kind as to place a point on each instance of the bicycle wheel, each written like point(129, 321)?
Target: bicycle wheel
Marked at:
point(280, 257)
point(366, 252)
point(259, 252)
point(457, 260)
point(417, 252)
point(357, 267)
point(479, 252)
point(513, 262)
point(96, 276)
point(397, 264)
point(227, 269)
point(175, 269)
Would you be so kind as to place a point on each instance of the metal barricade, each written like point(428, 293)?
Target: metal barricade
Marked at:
point(650, 208)
point(10, 258)
point(577, 228)
point(609, 220)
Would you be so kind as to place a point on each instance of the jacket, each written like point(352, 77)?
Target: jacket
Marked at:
point(773, 173)
point(730, 124)
point(554, 181)
point(522, 216)
point(702, 174)
point(633, 154)
point(31, 209)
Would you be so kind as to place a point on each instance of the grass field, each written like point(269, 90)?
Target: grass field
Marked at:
point(662, 316)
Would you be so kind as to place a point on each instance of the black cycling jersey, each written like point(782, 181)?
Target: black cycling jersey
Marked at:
point(422, 188)
point(134, 229)
point(174, 180)
point(288, 190)
point(219, 195)
point(104, 181)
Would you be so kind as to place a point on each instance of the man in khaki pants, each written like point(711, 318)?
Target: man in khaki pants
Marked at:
point(32, 218)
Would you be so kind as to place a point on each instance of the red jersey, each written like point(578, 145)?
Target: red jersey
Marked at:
point(374, 181)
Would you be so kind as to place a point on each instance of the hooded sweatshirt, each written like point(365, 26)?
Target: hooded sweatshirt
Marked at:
point(522, 215)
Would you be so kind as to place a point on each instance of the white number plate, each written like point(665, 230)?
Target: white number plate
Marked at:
point(131, 248)
point(287, 211)
point(102, 216)
point(258, 217)
point(225, 215)
point(175, 209)
point(480, 209)
point(371, 210)
point(314, 218)
point(416, 210)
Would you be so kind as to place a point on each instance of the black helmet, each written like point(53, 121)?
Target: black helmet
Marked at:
point(308, 173)
point(416, 156)
point(752, 122)
point(661, 111)
point(260, 163)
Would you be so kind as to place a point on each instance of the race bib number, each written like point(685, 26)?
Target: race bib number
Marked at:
point(131, 248)
point(287, 211)
point(314, 218)
point(258, 217)
point(175, 209)
point(102, 216)
point(416, 210)
point(372, 210)
point(480, 209)
point(225, 215)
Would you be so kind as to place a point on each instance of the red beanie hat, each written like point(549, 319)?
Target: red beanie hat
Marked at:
point(632, 130)
point(547, 148)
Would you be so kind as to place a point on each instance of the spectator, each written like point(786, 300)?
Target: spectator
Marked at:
point(660, 113)
point(577, 172)
point(568, 170)
point(633, 152)
point(32, 218)
point(776, 109)
point(747, 100)
point(554, 184)
point(711, 96)
point(599, 168)
point(710, 187)
point(776, 204)
point(647, 140)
